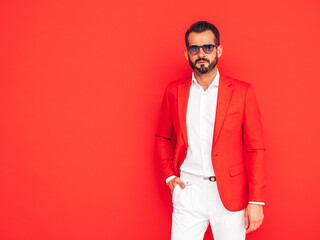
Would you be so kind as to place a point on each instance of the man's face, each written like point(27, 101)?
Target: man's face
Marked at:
point(203, 62)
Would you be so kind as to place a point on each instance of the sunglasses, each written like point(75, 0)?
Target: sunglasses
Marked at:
point(207, 48)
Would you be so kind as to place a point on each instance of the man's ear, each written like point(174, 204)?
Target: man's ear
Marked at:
point(186, 54)
point(219, 50)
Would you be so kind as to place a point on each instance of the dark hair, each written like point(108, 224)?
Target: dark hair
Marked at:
point(202, 26)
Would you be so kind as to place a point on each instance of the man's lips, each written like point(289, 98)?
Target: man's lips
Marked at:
point(202, 61)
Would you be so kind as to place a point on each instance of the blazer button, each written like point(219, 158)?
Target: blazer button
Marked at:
point(185, 151)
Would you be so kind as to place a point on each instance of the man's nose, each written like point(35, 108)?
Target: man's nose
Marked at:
point(201, 53)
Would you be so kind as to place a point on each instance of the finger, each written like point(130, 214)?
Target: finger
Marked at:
point(246, 220)
point(253, 226)
point(181, 184)
point(170, 187)
point(261, 220)
point(173, 185)
point(250, 229)
point(177, 180)
point(259, 223)
point(250, 223)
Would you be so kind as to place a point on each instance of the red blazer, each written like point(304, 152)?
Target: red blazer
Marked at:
point(237, 149)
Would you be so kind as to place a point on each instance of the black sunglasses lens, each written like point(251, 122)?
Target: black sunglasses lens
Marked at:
point(207, 48)
point(194, 49)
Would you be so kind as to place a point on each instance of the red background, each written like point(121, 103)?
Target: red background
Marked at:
point(80, 93)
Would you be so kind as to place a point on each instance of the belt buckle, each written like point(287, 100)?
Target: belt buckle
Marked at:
point(212, 179)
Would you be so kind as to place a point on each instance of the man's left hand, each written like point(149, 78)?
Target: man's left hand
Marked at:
point(253, 217)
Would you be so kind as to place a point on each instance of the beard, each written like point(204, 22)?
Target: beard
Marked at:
point(202, 69)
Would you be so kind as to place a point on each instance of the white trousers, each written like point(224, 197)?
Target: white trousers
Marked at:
point(198, 204)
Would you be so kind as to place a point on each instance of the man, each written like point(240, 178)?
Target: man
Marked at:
point(209, 141)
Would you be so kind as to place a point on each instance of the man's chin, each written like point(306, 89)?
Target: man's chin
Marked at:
point(202, 70)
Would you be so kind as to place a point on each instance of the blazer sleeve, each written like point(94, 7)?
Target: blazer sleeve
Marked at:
point(164, 138)
point(254, 147)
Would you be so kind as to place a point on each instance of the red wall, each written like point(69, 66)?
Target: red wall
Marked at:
point(81, 84)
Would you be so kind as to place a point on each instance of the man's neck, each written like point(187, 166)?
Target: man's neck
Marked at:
point(204, 80)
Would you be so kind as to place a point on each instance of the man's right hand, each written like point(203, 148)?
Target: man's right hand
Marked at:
point(173, 182)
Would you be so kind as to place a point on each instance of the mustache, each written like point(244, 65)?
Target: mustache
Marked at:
point(202, 59)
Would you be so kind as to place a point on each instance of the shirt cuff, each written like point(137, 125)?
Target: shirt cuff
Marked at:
point(258, 203)
point(169, 178)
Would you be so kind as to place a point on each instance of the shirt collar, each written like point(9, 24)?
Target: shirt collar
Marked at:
point(214, 83)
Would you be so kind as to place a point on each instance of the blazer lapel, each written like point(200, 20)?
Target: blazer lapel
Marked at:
point(224, 95)
point(183, 97)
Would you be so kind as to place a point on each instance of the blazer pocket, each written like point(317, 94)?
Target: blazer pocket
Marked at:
point(232, 115)
point(240, 168)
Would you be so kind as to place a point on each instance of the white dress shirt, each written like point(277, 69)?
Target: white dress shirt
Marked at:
point(201, 114)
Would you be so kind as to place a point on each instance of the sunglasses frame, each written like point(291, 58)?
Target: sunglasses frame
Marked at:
point(205, 45)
